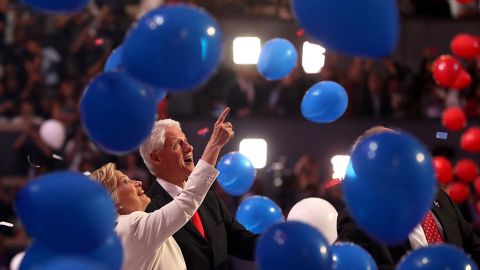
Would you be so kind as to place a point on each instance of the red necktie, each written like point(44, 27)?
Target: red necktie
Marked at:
point(197, 222)
point(430, 228)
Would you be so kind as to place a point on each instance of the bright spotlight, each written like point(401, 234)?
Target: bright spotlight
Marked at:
point(255, 150)
point(339, 166)
point(246, 50)
point(313, 57)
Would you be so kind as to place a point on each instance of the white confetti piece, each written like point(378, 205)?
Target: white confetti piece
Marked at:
point(6, 224)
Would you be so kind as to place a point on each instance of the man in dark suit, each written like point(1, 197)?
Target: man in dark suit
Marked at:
point(210, 236)
point(448, 221)
point(455, 230)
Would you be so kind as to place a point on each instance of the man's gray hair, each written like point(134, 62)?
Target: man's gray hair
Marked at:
point(156, 141)
point(369, 132)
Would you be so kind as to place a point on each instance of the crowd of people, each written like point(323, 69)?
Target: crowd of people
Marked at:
point(46, 62)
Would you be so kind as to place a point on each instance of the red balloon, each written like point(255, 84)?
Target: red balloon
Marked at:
point(463, 81)
point(465, 46)
point(454, 119)
point(443, 169)
point(470, 140)
point(466, 170)
point(445, 70)
point(458, 192)
point(478, 39)
point(476, 185)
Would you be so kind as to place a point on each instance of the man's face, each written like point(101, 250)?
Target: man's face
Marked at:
point(177, 155)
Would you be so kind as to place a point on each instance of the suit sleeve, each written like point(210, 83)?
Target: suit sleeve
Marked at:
point(240, 242)
point(154, 228)
point(348, 231)
point(471, 243)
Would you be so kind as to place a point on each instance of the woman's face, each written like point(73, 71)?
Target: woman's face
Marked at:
point(131, 194)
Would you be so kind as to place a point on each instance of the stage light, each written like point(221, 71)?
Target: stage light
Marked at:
point(246, 50)
point(255, 150)
point(339, 166)
point(313, 57)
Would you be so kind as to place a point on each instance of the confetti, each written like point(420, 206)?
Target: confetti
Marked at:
point(99, 41)
point(6, 224)
point(57, 157)
point(203, 131)
point(31, 164)
point(300, 33)
point(442, 135)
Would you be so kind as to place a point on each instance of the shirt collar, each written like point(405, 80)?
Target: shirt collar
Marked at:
point(170, 188)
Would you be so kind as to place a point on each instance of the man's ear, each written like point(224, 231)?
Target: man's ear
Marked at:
point(155, 158)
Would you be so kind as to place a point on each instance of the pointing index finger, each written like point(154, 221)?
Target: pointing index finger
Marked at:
point(222, 116)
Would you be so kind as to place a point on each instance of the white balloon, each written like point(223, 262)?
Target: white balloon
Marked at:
point(318, 213)
point(16, 261)
point(52, 133)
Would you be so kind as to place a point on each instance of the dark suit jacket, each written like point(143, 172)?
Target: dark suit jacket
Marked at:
point(225, 235)
point(456, 231)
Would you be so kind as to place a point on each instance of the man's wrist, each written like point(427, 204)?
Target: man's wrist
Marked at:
point(214, 145)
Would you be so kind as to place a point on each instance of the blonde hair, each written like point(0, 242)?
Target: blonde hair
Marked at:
point(156, 141)
point(106, 176)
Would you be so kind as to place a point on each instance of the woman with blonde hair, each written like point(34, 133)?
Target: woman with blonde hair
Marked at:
point(147, 237)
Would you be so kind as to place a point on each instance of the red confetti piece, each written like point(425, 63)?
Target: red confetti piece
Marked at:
point(300, 33)
point(203, 131)
point(99, 41)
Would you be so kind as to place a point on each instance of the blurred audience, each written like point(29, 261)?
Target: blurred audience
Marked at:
point(80, 151)
point(49, 59)
point(302, 182)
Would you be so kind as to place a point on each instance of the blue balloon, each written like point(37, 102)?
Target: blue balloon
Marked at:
point(175, 47)
point(66, 211)
point(293, 245)
point(56, 6)
point(117, 112)
point(36, 256)
point(258, 213)
point(109, 255)
point(114, 61)
point(71, 262)
point(389, 185)
point(437, 257)
point(236, 173)
point(278, 58)
point(348, 256)
point(365, 28)
point(324, 102)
